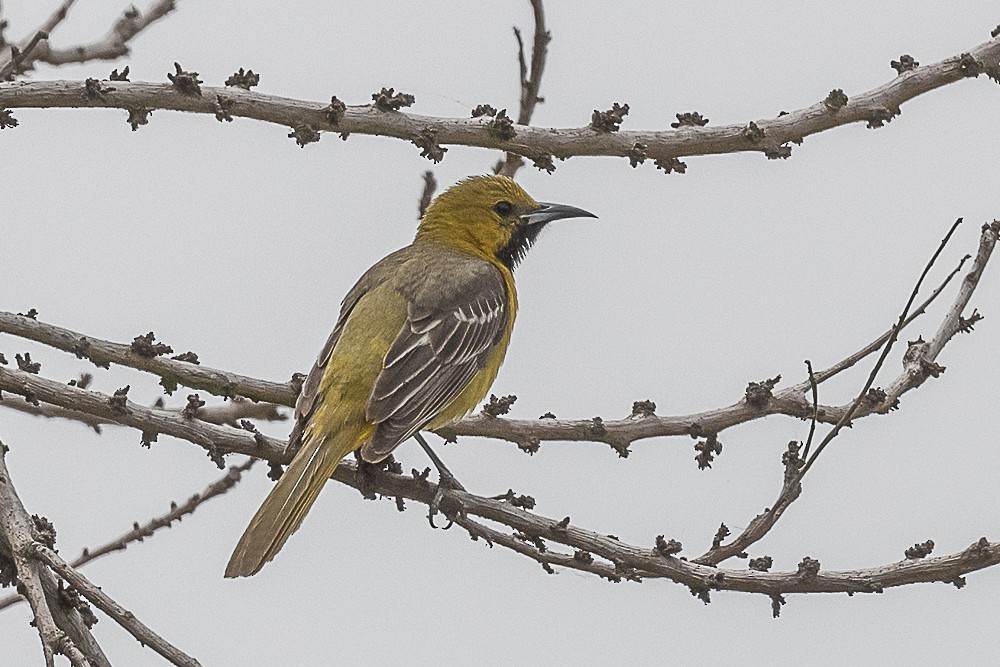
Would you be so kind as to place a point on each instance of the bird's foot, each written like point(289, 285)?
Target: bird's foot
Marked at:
point(445, 502)
point(367, 473)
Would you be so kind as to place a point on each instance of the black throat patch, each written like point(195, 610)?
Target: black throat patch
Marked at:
point(524, 235)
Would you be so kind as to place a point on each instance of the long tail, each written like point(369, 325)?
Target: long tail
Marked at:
point(284, 508)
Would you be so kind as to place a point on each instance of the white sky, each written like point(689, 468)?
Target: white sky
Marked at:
point(232, 241)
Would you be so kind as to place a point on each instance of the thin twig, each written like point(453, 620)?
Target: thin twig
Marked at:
point(842, 365)
point(863, 394)
point(57, 17)
point(795, 470)
point(539, 52)
point(815, 413)
point(115, 43)
point(430, 185)
point(55, 412)
point(177, 512)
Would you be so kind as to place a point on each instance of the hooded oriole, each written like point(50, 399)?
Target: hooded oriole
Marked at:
point(418, 343)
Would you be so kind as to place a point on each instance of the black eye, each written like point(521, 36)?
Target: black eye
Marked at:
point(503, 208)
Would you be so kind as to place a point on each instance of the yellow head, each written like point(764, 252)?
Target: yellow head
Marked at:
point(490, 216)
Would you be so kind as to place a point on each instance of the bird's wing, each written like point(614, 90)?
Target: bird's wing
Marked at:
point(307, 400)
point(310, 396)
point(453, 324)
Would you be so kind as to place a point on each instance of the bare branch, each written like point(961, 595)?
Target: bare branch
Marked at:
point(216, 440)
point(103, 601)
point(228, 412)
point(528, 434)
point(102, 353)
point(768, 135)
point(70, 620)
point(618, 560)
point(61, 630)
point(642, 562)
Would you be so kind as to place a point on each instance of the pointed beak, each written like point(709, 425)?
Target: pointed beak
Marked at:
point(549, 212)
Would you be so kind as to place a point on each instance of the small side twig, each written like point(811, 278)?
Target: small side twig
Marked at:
point(531, 81)
point(19, 57)
point(115, 43)
point(815, 411)
point(430, 185)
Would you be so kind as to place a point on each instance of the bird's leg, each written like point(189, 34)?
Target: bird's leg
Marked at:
point(446, 481)
point(445, 478)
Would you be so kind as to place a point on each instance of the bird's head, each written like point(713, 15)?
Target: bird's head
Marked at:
point(490, 216)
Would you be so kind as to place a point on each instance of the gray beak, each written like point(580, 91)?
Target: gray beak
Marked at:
point(549, 212)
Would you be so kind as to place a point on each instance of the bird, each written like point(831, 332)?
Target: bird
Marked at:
point(417, 345)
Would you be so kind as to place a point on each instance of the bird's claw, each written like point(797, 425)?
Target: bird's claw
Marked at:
point(444, 502)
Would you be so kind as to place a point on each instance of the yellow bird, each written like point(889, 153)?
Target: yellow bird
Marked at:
point(419, 341)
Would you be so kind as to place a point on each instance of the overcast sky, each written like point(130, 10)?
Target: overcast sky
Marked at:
point(230, 240)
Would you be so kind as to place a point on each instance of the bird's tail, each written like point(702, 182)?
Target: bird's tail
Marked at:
point(286, 505)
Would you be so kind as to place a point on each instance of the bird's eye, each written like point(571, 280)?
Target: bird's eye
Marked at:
point(503, 208)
